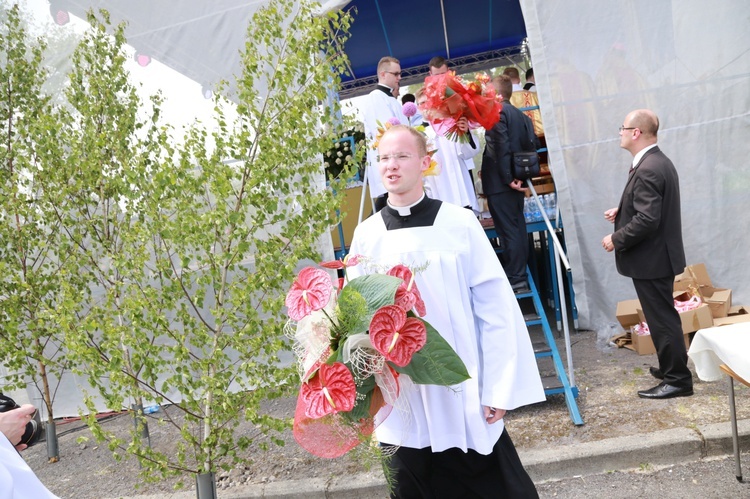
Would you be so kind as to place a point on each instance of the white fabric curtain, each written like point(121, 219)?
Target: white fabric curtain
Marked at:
point(688, 61)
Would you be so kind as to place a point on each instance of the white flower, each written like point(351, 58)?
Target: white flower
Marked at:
point(338, 161)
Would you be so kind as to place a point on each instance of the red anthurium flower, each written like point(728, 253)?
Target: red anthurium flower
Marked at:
point(331, 390)
point(395, 335)
point(310, 291)
point(333, 264)
point(407, 294)
point(348, 261)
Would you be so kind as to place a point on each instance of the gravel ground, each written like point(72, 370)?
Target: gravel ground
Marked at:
point(607, 377)
point(705, 479)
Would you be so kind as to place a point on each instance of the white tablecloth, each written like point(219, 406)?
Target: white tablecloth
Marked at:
point(728, 345)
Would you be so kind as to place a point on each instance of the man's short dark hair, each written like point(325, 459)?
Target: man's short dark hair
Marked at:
point(512, 72)
point(504, 85)
point(408, 98)
point(438, 61)
point(529, 73)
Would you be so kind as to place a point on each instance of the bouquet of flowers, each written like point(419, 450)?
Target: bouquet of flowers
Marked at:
point(450, 98)
point(352, 342)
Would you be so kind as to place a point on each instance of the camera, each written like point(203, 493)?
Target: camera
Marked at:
point(34, 431)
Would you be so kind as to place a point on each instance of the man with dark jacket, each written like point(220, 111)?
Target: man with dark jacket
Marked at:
point(505, 194)
point(647, 242)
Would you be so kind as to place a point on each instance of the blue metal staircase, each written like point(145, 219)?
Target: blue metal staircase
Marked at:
point(547, 349)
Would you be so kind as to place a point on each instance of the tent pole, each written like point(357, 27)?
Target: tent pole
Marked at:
point(445, 31)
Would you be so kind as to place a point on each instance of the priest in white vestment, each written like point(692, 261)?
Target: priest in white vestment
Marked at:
point(380, 106)
point(451, 440)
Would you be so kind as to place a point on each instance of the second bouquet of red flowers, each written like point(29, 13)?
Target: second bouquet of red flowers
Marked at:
point(450, 98)
point(352, 341)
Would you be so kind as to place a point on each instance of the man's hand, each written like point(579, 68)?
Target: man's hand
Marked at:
point(610, 215)
point(517, 185)
point(463, 124)
point(13, 423)
point(607, 243)
point(492, 415)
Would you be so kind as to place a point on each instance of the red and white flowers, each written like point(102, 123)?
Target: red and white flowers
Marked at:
point(396, 336)
point(310, 291)
point(352, 345)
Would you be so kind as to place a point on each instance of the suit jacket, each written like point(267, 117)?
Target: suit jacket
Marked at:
point(506, 137)
point(648, 225)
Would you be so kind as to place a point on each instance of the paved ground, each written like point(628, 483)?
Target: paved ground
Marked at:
point(621, 433)
point(668, 465)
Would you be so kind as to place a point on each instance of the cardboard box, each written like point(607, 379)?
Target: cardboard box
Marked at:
point(696, 319)
point(693, 276)
point(719, 300)
point(736, 314)
point(627, 313)
point(543, 185)
point(644, 345)
point(692, 320)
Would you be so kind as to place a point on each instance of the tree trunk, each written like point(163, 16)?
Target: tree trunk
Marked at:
point(205, 485)
point(139, 420)
point(53, 452)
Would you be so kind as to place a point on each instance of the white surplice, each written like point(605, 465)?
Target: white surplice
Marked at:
point(378, 107)
point(453, 184)
point(17, 480)
point(470, 303)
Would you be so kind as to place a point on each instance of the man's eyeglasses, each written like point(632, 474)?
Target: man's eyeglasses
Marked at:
point(623, 128)
point(395, 73)
point(398, 157)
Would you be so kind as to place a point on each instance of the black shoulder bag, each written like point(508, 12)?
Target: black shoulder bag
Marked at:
point(526, 162)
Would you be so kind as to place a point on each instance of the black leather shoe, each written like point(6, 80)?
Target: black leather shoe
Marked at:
point(656, 372)
point(665, 391)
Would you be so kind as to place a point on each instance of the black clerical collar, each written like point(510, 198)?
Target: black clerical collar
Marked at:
point(421, 214)
point(386, 90)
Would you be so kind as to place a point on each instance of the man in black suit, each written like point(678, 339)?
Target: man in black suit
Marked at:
point(505, 194)
point(648, 248)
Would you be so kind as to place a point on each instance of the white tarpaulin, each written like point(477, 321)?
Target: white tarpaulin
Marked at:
point(594, 61)
point(687, 60)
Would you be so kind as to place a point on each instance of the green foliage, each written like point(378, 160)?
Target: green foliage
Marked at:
point(179, 256)
point(159, 269)
point(377, 289)
point(436, 363)
point(30, 260)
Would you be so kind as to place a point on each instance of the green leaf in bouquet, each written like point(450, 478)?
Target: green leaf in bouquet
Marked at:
point(378, 290)
point(361, 408)
point(352, 316)
point(436, 363)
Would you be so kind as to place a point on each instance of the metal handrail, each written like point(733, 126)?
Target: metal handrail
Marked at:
point(559, 255)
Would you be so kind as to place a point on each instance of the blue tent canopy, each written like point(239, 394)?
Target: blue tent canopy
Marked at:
point(468, 32)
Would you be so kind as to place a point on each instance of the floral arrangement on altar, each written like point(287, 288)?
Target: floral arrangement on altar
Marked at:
point(450, 98)
point(353, 340)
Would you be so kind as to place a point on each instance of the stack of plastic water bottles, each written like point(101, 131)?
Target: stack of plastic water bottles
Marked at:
point(532, 212)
